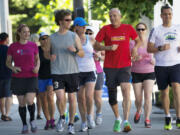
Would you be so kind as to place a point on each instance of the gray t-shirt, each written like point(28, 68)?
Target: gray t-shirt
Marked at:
point(65, 62)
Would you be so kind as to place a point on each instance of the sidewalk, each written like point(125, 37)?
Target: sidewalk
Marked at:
point(157, 118)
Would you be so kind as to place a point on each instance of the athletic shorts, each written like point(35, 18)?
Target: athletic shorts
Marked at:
point(115, 76)
point(85, 77)
point(22, 86)
point(99, 81)
point(44, 83)
point(69, 82)
point(165, 75)
point(141, 77)
point(5, 88)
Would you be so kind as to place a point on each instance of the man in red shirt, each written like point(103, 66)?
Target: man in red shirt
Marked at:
point(117, 64)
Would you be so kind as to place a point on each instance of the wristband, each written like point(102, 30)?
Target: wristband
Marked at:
point(77, 50)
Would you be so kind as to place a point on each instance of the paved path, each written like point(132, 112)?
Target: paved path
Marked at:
point(157, 118)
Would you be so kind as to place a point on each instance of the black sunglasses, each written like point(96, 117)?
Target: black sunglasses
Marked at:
point(87, 33)
point(43, 38)
point(68, 20)
point(141, 29)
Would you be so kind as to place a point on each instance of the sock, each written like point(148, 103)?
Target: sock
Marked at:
point(168, 115)
point(31, 109)
point(70, 124)
point(125, 121)
point(22, 113)
point(118, 118)
point(62, 116)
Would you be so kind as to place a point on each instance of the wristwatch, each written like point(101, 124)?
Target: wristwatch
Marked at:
point(77, 50)
point(160, 48)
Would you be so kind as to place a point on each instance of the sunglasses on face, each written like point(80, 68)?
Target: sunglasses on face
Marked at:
point(68, 20)
point(43, 39)
point(141, 29)
point(88, 33)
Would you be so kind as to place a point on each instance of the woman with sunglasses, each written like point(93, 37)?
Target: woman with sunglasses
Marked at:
point(87, 76)
point(143, 76)
point(24, 81)
point(98, 56)
point(46, 92)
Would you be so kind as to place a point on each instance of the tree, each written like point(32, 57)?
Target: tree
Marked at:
point(132, 10)
point(37, 14)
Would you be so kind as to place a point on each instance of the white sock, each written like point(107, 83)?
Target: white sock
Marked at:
point(125, 121)
point(118, 118)
point(168, 115)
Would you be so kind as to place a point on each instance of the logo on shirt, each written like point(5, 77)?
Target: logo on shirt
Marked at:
point(170, 36)
point(118, 38)
point(20, 51)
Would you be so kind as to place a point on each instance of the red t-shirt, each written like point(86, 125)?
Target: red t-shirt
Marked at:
point(24, 57)
point(121, 36)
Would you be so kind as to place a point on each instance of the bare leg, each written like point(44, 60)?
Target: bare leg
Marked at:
point(82, 103)
point(138, 92)
point(44, 101)
point(72, 106)
point(89, 93)
point(165, 100)
point(61, 101)
point(8, 104)
point(125, 88)
point(148, 88)
point(98, 100)
point(51, 105)
point(176, 94)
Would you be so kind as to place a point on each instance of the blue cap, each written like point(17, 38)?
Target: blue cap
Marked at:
point(79, 21)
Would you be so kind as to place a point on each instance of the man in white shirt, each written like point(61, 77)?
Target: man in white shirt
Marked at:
point(164, 42)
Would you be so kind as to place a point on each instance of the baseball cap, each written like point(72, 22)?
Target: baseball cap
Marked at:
point(43, 34)
point(79, 21)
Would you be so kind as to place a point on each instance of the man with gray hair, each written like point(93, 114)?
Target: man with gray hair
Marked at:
point(117, 64)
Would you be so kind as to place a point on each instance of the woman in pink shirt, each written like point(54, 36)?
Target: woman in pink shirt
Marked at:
point(24, 81)
point(142, 76)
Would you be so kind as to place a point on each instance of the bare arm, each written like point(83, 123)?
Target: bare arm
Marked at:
point(80, 51)
point(10, 66)
point(134, 52)
point(99, 47)
point(37, 64)
point(47, 49)
point(152, 49)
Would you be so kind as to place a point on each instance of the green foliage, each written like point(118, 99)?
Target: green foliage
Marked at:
point(37, 14)
point(131, 10)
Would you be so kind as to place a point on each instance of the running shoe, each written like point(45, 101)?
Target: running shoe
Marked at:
point(60, 125)
point(25, 129)
point(137, 117)
point(33, 126)
point(99, 119)
point(167, 125)
point(127, 127)
point(178, 123)
point(84, 127)
point(117, 126)
point(147, 123)
point(91, 123)
point(71, 129)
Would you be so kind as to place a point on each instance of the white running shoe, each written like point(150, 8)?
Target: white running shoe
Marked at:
point(99, 119)
point(60, 125)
